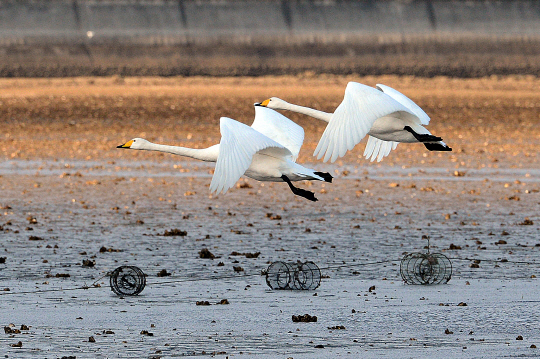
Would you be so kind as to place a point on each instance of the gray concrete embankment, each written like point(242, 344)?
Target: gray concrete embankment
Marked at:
point(218, 34)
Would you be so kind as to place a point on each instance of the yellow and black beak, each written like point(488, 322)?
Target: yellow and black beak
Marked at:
point(263, 104)
point(126, 145)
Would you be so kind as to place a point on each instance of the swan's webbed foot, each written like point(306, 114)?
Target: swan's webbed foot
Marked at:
point(422, 137)
point(299, 191)
point(325, 175)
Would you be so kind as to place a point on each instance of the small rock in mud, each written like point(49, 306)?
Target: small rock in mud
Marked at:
point(24, 327)
point(163, 273)
point(9, 330)
point(202, 302)
point(105, 249)
point(35, 238)
point(462, 304)
point(243, 185)
point(3, 260)
point(174, 232)
point(319, 346)
point(206, 254)
point(275, 217)
point(238, 269)
point(220, 264)
point(306, 318)
point(448, 331)
point(88, 263)
point(519, 337)
point(147, 333)
point(337, 327)
point(91, 340)
point(371, 289)
point(62, 275)
point(247, 254)
point(454, 247)
point(17, 345)
point(526, 222)
point(223, 301)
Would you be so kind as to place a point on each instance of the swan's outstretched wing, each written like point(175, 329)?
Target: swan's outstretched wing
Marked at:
point(376, 148)
point(238, 144)
point(279, 128)
point(353, 118)
point(405, 101)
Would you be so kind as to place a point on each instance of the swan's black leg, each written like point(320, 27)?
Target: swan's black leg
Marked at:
point(325, 175)
point(422, 137)
point(436, 146)
point(298, 191)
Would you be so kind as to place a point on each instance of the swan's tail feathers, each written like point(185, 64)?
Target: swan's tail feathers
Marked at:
point(299, 191)
point(325, 175)
point(421, 137)
point(437, 146)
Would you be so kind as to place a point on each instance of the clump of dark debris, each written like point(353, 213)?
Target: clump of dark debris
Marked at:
point(88, 263)
point(306, 318)
point(247, 254)
point(105, 249)
point(205, 253)
point(163, 273)
point(35, 238)
point(174, 232)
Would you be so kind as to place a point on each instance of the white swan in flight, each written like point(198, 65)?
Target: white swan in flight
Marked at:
point(385, 114)
point(266, 151)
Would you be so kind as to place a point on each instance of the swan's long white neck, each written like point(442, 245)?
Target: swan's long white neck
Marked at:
point(320, 115)
point(209, 154)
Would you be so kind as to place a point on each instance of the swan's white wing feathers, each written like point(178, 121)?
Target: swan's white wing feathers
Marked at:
point(362, 105)
point(378, 149)
point(279, 128)
point(405, 101)
point(238, 144)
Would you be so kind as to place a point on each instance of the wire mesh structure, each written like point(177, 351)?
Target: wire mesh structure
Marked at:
point(425, 268)
point(296, 276)
point(127, 280)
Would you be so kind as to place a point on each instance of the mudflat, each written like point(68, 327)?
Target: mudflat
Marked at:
point(74, 207)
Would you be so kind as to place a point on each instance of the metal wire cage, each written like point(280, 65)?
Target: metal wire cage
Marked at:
point(296, 276)
point(127, 280)
point(425, 268)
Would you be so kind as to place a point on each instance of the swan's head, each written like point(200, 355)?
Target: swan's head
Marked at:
point(134, 144)
point(274, 103)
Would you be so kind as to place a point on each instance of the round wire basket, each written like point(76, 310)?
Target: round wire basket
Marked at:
point(425, 268)
point(296, 276)
point(127, 280)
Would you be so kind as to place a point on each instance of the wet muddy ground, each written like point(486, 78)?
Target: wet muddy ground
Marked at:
point(69, 197)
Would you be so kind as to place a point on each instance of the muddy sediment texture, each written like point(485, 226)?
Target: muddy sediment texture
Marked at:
point(69, 197)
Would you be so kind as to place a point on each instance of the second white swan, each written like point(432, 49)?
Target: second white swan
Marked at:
point(383, 113)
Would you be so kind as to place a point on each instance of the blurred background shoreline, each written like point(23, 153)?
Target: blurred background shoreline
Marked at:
point(426, 38)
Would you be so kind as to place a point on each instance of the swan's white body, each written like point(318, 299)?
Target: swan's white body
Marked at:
point(252, 151)
point(382, 113)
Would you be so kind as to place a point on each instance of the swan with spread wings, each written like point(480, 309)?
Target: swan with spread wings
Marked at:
point(266, 151)
point(383, 113)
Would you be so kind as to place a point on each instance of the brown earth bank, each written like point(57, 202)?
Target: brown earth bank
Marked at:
point(489, 122)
